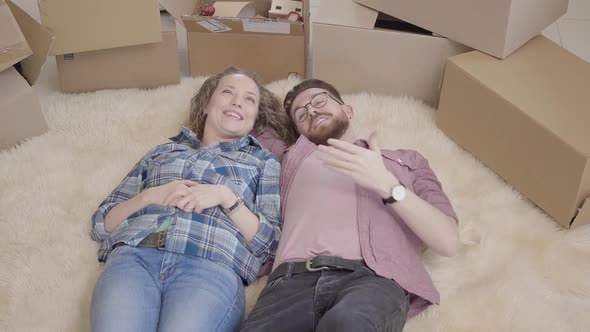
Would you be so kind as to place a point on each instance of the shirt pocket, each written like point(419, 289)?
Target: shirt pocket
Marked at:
point(165, 167)
point(403, 169)
point(241, 176)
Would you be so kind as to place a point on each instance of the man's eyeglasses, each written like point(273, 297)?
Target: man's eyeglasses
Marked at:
point(318, 101)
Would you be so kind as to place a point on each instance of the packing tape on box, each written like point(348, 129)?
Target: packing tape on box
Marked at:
point(235, 9)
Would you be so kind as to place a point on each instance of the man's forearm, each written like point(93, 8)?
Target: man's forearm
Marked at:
point(437, 230)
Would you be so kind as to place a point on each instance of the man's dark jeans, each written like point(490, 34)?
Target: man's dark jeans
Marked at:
point(330, 301)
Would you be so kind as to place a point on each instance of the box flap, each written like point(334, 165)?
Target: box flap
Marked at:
point(495, 27)
point(13, 44)
point(583, 217)
point(178, 8)
point(346, 13)
point(38, 37)
point(88, 25)
point(559, 104)
point(236, 25)
point(235, 9)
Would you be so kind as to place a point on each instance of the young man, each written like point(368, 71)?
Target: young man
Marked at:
point(355, 219)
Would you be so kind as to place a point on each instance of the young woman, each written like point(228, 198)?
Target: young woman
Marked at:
point(195, 219)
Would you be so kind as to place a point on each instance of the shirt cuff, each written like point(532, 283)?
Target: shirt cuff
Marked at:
point(99, 232)
point(264, 239)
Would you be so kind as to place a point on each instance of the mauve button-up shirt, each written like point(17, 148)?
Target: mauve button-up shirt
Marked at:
point(389, 247)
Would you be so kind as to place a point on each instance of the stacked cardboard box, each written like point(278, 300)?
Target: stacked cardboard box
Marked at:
point(24, 43)
point(139, 66)
point(274, 49)
point(526, 117)
point(111, 44)
point(494, 27)
point(359, 51)
point(519, 102)
point(400, 47)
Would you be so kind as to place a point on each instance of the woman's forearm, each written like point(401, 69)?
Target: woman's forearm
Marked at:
point(123, 210)
point(246, 221)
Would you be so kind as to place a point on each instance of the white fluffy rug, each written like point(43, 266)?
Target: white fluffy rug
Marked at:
point(518, 270)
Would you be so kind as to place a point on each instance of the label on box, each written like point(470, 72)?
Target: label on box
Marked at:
point(266, 26)
point(214, 26)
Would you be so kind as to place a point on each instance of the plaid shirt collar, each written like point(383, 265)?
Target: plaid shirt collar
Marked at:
point(188, 137)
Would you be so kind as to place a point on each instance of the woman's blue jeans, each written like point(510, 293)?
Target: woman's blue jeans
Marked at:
point(146, 289)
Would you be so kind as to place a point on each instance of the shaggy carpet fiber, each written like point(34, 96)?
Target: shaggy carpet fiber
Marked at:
point(517, 271)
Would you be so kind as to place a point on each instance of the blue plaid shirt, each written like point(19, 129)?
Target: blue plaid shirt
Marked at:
point(242, 165)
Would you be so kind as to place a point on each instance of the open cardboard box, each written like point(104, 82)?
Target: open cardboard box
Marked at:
point(20, 111)
point(526, 118)
point(357, 50)
point(491, 26)
point(274, 49)
point(139, 66)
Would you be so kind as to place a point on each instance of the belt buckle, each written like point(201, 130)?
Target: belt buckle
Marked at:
point(312, 269)
point(161, 243)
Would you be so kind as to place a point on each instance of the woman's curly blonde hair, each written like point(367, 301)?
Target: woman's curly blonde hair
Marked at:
point(271, 114)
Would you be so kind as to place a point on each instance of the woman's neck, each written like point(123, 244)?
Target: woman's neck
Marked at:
point(209, 139)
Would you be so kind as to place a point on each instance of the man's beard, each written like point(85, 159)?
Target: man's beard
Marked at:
point(335, 129)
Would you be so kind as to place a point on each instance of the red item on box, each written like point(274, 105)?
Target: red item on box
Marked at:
point(207, 11)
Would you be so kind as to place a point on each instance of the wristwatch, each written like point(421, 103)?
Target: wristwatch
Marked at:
point(398, 193)
point(234, 206)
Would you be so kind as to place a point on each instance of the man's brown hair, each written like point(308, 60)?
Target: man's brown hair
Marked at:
point(309, 84)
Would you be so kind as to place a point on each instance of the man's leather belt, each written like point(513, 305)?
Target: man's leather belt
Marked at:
point(317, 263)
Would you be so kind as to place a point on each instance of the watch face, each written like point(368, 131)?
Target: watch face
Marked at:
point(398, 192)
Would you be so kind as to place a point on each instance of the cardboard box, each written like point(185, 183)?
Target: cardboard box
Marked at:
point(20, 111)
point(13, 45)
point(494, 27)
point(273, 49)
point(38, 37)
point(193, 7)
point(526, 118)
point(282, 8)
point(350, 50)
point(307, 20)
point(141, 66)
point(88, 25)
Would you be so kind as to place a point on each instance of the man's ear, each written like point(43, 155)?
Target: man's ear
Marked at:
point(348, 111)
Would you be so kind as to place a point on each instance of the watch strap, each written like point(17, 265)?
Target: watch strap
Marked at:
point(388, 200)
point(234, 206)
